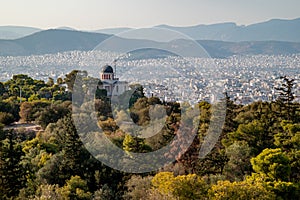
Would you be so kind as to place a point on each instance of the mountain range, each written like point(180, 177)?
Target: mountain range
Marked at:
point(274, 29)
point(54, 40)
point(14, 32)
point(51, 41)
point(219, 40)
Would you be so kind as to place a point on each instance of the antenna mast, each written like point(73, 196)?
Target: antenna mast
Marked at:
point(115, 66)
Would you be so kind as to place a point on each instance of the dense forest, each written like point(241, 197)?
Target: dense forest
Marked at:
point(257, 155)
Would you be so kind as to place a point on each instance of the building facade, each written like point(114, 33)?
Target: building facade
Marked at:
point(111, 83)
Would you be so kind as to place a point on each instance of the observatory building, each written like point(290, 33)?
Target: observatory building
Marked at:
point(111, 83)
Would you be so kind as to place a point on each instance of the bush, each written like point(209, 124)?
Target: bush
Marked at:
point(273, 163)
point(188, 186)
point(6, 118)
point(138, 187)
point(244, 190)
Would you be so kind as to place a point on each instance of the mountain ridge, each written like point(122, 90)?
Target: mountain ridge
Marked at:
point(51, 41)
point(14, 32)
point(54, 41)
point(274, 29)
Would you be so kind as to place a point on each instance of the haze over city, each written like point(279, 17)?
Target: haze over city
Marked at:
point(96, 14)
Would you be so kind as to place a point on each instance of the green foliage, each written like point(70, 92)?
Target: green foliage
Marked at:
point(294, 157)
point(284, 190)
point(11, 171)
point(138, 93)
point(102, 107)
point(71, 149)
point(289, 138)
point(76, 189)
point(52, 113)
point(163, 182)
point(52, 172)
point(2, 89)
point(62, 95)
point(255, 134)
point(104, 193)
point(289, 141)
point(286, 97)
point(101, 93)
point(6, 118)
point(50, 82)
point(48, 192)
point(244, 190)
point(54, 164)
point(273, 163)
point(43, 112)
point(239, 154)
point(10, 107)
point(34, 97)
point(23, 85)
point(128, 98)
point(70, 79)
point(59, 81)
point(135, 144)
point(280, 189)
point(28, 110)
point(188, 186)
point(32, 90)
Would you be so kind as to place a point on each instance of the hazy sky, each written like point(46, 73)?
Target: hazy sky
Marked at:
point(96, 14)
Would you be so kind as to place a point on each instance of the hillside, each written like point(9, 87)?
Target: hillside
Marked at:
point(222, 49)
point(53, 41)
point(14, 32)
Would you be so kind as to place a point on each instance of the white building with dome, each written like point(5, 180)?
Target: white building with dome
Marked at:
point(111, 83)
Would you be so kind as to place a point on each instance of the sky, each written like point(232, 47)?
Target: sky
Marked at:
point(99, 14)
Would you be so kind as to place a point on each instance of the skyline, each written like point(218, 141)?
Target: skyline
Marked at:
point(100, 14)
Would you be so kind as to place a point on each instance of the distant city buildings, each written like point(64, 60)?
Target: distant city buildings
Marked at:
point(245, 78)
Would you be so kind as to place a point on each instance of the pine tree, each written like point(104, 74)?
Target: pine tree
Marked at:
point(286, 97)
point(11, 172)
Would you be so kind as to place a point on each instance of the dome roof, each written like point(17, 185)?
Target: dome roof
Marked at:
point(107, 69)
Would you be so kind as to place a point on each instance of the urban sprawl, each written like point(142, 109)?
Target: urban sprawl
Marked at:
point(245, 78)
